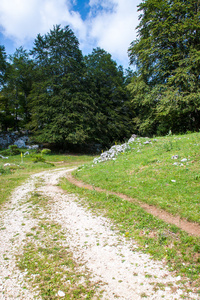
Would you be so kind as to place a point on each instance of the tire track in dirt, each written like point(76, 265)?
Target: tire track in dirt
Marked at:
point(189, 227)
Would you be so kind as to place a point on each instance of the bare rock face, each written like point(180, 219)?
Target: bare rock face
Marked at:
point(13, 138)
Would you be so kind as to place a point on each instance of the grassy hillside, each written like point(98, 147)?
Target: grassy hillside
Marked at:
point(148, 172)
point(165, 173)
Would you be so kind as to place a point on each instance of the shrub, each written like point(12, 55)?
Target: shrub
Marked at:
point(46, 151)
point(14, 150)
point(38, 158)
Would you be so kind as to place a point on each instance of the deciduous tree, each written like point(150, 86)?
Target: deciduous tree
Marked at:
point(167, 56)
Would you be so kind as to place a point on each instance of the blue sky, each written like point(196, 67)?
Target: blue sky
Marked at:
point(109, 24)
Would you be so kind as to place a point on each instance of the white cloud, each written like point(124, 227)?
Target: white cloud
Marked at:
point(110, 24)
point(22, 20)
point(115, 30)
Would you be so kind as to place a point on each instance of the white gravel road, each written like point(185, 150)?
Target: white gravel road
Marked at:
point(125, 272)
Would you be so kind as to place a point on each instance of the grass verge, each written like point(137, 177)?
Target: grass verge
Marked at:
point(162, 241)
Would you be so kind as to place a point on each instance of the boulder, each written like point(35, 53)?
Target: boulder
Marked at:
point(20, 143)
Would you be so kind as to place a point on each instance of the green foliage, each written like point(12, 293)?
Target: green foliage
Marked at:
point(58, 105)
point(14, 109)
point(3, 64)
point(107, 86)
point(38, 158)
point(45, 151)
point(167, 55)
point(12, 150)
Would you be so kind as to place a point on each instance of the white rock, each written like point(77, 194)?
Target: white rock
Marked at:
point(3, 157)
point(173, 180)
point(61, 294)
point(184, 159)
point(20, 143)
point(33, 147)
point(7, 165)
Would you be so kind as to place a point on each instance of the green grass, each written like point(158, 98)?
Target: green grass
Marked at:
point(162, 241)
point(147, 173)
point(20, 169)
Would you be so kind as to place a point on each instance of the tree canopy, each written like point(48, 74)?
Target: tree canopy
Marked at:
point(68, 99)
point(167, 55)
point(111, 110)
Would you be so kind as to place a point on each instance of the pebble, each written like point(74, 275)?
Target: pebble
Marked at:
point(61, 294)
point(184, 159)
point(175, 157)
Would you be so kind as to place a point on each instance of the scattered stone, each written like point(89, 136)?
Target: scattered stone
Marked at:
point(114, 151)
point(147, 142)
point(33, 147)
point(3, 157)
point(132, 138)
point(7, 165)
point(175, 157)
point(184, 159)
point(173, 180)
point(61, 294)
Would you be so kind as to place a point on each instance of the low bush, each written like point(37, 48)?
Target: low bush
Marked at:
point(45, 151)
point(38, 158)
point(12, 150)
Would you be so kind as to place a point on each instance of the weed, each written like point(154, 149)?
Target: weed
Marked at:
point(38, 158)
point(144, 295)
point(168, 146)
point(45, 151)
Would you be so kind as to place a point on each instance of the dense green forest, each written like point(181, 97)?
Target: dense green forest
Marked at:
point(65, 98)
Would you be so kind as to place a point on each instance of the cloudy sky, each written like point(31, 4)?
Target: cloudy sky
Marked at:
point(109, 24)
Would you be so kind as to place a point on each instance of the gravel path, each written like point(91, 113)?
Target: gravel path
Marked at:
point(125, 272)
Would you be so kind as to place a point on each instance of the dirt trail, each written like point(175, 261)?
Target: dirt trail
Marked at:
point(189, 227)
point(124, 272)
